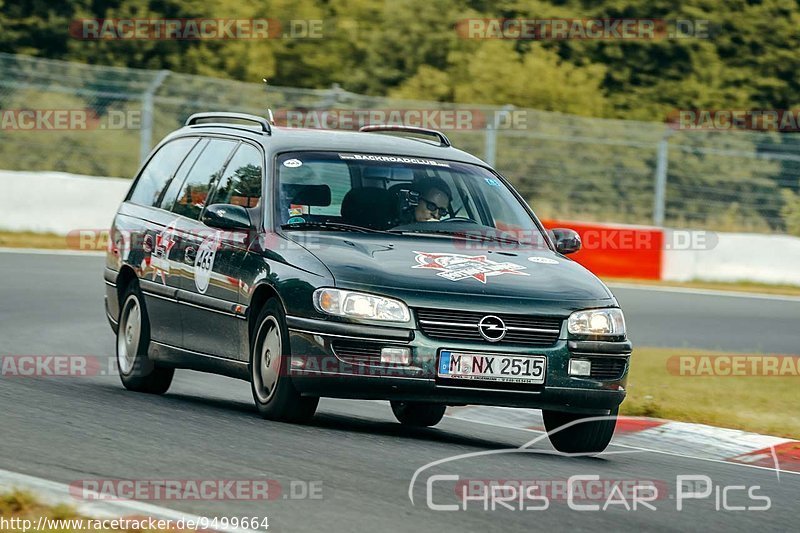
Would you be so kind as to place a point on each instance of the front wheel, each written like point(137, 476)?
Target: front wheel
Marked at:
point(136, 371)
point(420, 414)
point(274, 394)
point(589, 437)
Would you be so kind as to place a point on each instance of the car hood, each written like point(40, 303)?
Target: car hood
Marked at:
point(422, 268)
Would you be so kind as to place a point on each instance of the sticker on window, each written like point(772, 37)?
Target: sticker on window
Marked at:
point(292, 163)
point(297, 210)
point(393, 159)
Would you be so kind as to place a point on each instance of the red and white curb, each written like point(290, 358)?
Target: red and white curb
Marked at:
point(695, 440)
point(53, 493)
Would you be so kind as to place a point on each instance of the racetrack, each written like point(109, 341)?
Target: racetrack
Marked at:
point(68, 429)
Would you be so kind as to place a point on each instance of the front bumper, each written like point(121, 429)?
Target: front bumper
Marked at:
point(318, 368)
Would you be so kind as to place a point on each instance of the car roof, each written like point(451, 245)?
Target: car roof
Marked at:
point(284, 139)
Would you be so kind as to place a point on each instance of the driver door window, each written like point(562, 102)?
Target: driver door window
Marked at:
point(241, 183)
point(201, 178)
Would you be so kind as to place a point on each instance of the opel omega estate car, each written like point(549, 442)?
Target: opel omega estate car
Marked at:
point(375, 264)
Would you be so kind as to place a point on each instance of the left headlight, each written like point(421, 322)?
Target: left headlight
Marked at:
point(352, 304)
point(607, 322)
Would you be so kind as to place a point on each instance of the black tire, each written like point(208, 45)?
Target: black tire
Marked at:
point(136, 370)
point(419, 414)
point(275, 395)
point(582, 437)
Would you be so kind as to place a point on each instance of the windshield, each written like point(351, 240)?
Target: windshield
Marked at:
point(372, 192)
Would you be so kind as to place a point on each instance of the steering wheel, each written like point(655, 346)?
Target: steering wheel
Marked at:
point(460, 219)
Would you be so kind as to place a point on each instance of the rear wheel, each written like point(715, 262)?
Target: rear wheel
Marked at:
point(579, 437)
point(421, 414)
point(274, 394)
point(136, 371)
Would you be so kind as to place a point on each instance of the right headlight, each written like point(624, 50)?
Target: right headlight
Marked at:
point(354, 304)
point(608, 322)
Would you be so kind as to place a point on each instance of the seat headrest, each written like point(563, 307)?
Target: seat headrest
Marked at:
point(369, 207)
point(303, 194)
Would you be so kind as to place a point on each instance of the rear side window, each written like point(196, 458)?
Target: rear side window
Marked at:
point(159, 170)
point(171, 196)
point(201, 178)
point(241, 183)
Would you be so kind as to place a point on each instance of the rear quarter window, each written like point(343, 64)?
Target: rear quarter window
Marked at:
point(159, 170)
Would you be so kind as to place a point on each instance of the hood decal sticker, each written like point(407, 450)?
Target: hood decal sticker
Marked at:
point(455, 267)
point(542, 260)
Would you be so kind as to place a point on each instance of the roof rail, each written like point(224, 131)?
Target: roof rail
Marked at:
point(264, 123)
point(441, 137)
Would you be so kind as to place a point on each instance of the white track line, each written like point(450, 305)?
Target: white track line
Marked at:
point(674, 454)
point(45, 251)
point(55, 493)
point(704, 292)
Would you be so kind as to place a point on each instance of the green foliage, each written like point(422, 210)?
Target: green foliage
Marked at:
point(791, 211)
point(496, 73)
point(411, 49)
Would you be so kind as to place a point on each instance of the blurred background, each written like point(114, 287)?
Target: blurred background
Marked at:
point(584, 127)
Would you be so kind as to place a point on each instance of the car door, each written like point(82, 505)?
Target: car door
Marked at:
point(150, 238)
point(214, 323)
point(208, 300)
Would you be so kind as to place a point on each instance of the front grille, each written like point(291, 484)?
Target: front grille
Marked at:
point(608, 368)
point(358, 353)
point(463, 326)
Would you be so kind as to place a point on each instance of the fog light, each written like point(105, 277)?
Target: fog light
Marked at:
point(396, 356)
point(580, 367)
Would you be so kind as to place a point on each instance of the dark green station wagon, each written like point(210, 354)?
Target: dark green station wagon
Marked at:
point(380, 264)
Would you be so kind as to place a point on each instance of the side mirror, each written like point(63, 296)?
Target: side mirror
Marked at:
point(226, 216)
point(567, 241)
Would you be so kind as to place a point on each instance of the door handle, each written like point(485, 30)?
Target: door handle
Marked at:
point(190, 255)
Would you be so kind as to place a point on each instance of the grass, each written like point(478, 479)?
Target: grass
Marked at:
point(32, 240)
point(24, 506)
point(761, 404)
point(18, 504)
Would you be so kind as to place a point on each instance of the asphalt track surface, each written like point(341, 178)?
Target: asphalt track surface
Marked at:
point(79, 428)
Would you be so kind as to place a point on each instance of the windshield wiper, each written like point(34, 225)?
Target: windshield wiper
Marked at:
point(333, 226)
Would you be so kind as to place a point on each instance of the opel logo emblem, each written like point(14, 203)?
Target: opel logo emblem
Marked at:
point(492, 328)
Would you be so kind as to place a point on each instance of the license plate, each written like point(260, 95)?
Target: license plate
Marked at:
point(492, 367)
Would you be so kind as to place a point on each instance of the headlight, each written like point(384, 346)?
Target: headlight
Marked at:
point(360, 305)
point(607, 322)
